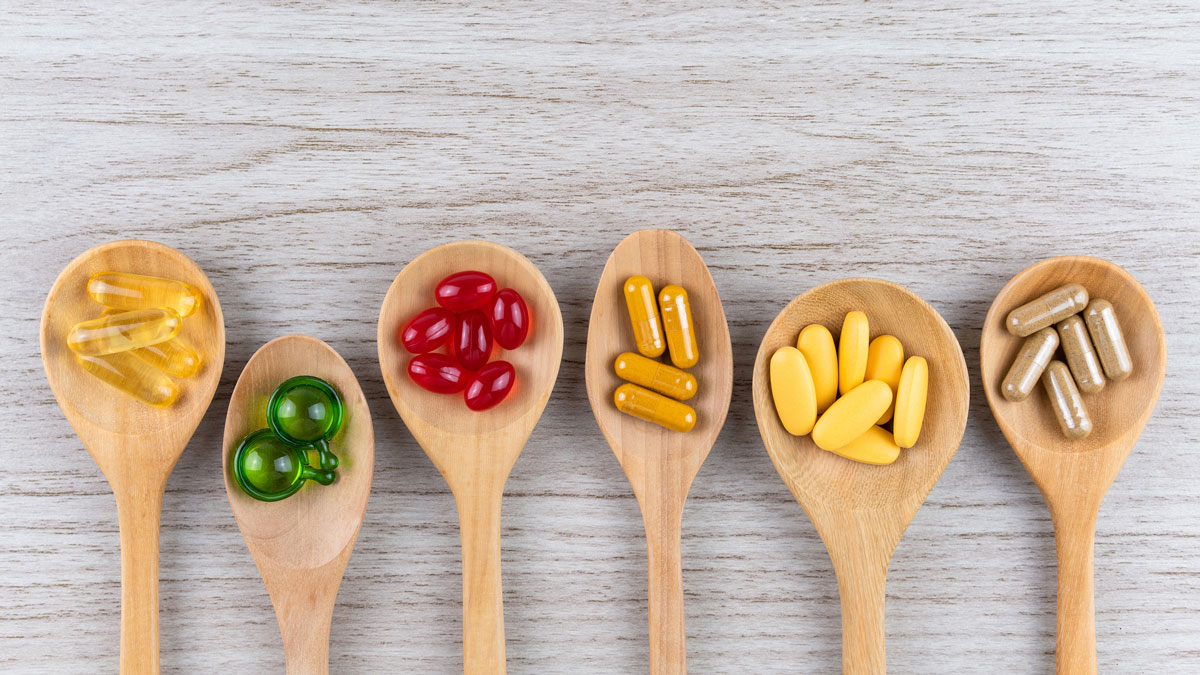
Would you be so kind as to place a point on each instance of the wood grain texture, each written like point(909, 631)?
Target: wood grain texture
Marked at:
point(302, 155)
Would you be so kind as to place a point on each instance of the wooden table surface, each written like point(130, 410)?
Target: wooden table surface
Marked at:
point(303, 154)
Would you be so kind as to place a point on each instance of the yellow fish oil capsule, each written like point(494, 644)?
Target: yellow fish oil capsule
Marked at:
point(1106, 335)
point(647, 405)
point(1065, 400)
point(678, 384)
point(853, 347)
point(1046, 310)
point(793, 392)
point(679, 327)
point(643, 314)
point(1081, 358)
point(135, 291)
point(816, 343)
point(852, 415)
point(1031, 361)
point(910, 401)
point(124, 331)
point(132, 376)
point(885, 360)
point(876, 446)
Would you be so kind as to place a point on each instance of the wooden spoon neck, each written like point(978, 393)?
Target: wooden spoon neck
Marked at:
point(304, 600)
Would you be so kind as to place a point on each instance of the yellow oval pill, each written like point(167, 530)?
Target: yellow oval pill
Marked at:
point(910, 401)
point(852, 351)
point(885, 360)
point(678, 384)
point(792, 389)
point(643, 315)
point(876, 446)
point(816, 343)
point(679, 327)
point(645, 404)
point(851, 415)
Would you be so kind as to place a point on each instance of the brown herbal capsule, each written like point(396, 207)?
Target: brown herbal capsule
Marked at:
point(1082, 359)
point(1046, 310)
point(1067, 403)
point(1023, 374)
point(1110, 343)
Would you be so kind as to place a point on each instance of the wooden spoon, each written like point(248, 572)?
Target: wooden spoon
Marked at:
point(861, 510)
point(1075, 475)
point(136, 445)
point(660, 464)
point(302, 543)
point(475, 451)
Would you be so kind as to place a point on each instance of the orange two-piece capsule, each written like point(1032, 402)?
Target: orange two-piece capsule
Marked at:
point(647, 405)
point(678, 384)
point(643, 315)
point(678, 324)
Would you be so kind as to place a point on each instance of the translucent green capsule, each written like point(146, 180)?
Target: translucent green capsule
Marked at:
point(269, 469)
point(305, 409)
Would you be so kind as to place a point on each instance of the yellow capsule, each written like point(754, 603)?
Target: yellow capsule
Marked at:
point(643, 314)
point(793, 391)
point(853, 347)
point(885, 360)
point(852, 415)
point(174, 357)
point(135, 291)
point(876, 446)
point(645, 404)
point(910, 401)
point(655, 376)
point(816, 343)
point(679, 327)
point(132, 376)
point(124, 331)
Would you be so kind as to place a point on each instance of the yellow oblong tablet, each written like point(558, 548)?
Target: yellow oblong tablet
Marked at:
point(910, 401)
point(885, 360)
point(643, 315)
point(647, 405)
point(852, 415)
point(816, 343)
point(793, 392)
point(678, 384)
point(679, 327)
point(876, 446)
point(853, 346)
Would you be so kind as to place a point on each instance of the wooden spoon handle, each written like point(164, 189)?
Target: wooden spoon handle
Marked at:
point(139, 510)
point(1074, 537)
point(303, 601)
point(863, 590)
point(664, 532)
point(483, 601)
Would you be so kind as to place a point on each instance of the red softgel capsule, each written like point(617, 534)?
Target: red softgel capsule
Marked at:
point(438, 373)
point(489, 385)
point(465, 290)
point(510, 319)
point(428, 330)
point(473, 339)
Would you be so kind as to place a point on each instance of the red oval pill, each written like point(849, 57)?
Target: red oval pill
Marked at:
point(473, 339)
point(510, 319)
point(428, 330)
point(437, 373)
point(465, 290)
point(489, 385)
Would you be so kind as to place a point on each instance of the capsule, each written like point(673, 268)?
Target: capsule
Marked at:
point(793, 392)
point(174, 357)
point(1106, 334)
point(1067, 403)
point(124, 331)
point(876, 446)
point(816, 343)
point(679, 327)
point(1035, 355)
point(853, 348)
point(910, 401)
point(645, 404)
point(1046, 310)
point(885, 360)
point(669, 381)
point(643, 314)
point(135, 291)
point(1081, 358)
point(852, 415)
point(132, 376)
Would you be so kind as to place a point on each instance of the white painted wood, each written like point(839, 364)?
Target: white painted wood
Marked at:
point(301, 155)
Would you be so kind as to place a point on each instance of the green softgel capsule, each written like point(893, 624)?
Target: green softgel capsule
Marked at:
point(269, 469)
point(305, 409)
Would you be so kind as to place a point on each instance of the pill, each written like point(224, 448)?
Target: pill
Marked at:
point(132, 376)
point(647, 405)
point(470, 289)
point(135, 291)
point(885, 360)
point(816, 343)
point(679, 327)
point(1047, 310)
point(1106, 334)
point(793, 391)
point(910, 401)
point(852, 415)
point(853, 347)
point(1081, 358)
point(667, 380)
point(876, 446)
point(1032, 359)
point(1065, 400)
point(174, 357)
point(124, 331)
point(643, 314)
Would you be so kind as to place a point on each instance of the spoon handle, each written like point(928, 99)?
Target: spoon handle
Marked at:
point(1074, 538)
point(664, 531)
point(303, 601)
point(139, 509)
point(483, 602)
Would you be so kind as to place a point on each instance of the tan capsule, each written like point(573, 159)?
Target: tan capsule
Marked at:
point(1106, 334)
point(1031, 361)
point(1081, 358)
point(678, 384)
point(1047, 310)
point(1065, 400)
